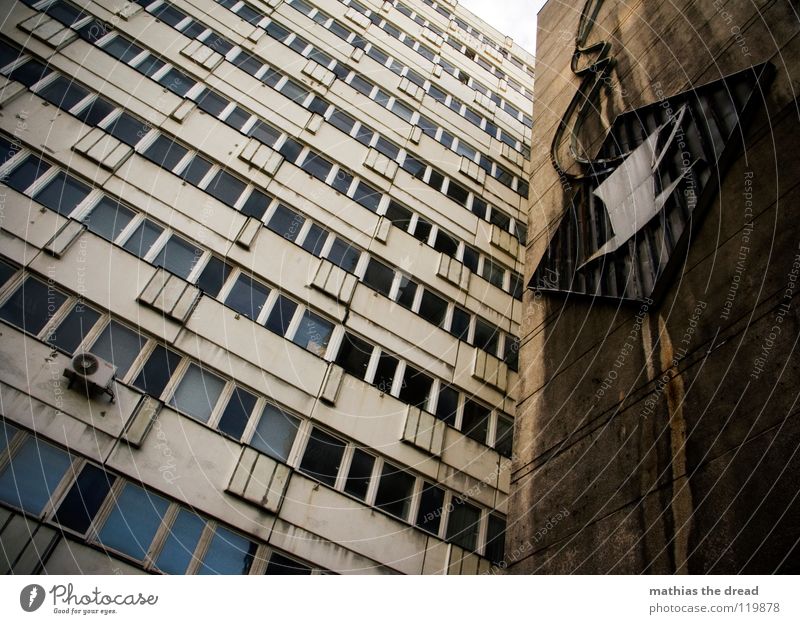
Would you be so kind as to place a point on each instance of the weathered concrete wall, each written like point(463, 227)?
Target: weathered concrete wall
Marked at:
point(664, 438)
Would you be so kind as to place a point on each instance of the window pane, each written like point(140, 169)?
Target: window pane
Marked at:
point(278, 564)
point(62, 92)
point(213, 276)
point(359, 474)
point(416, 388)
point(511, 352)
point(108, 218)
point(379, 276)
point(281, 315)
point(398, 215)
point(316, 166)
point(342, 181)
point(367, 196)
point(196, 170)
point(470, 259)
point(322, 457)
point(430, 508)
point(225, 188)
point(25, 173)
point(143, 238)
point(62, 194)
point(237, 117)
point(133, 522)
point(95, 112)
point(32, 305)
point(29, 478)
point(256, 204)
point(84, 498)
point(286, 222)
point(275, 433)
point(344, 255)
point(475, 423)
point(7, 431)
point(495, 539)
point(165, 152)
point(504, 436)
point(493, 272)
point(447, 405)
point(354, 355)
point(264, 132)
point(122, 49)
point(198, 393)
point(462, 526)
point(157, 371)
point(315, 239)
point(237, 413)
point(178, 256)
point(446, 244)
point(118, 345)
point(486, 336)
point(247, 296)
point(128, 129)
point(178, 550)
point(433, 308)
point(29, 73)
point(228, 553)
point(422, 230)
point(73, 329)
point(394, 491)
point(384, 375)
point(460, 324)
point(313, 333)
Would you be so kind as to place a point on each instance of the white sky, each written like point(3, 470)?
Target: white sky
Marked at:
point(515, 18)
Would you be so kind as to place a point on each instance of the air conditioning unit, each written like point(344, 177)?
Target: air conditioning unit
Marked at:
point(92, 374)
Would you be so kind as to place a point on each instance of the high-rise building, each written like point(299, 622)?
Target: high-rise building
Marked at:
point(260, 285)
point(657, 429)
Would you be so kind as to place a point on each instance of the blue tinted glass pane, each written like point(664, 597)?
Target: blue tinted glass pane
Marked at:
point(25, 173)
point(143, 238)
point(33, 473)
point(73, 329)
point(275, 433)
point(313, 333)
point(247, 297)
point(62, 194)
point(228, 553)
point(198, 393)
point(108, 218)
point(32, 305)
point(133, 522)
point(119, 345)
point(281, 315)
point(84, 498)
point(178, 549)
point(237, 413)
point(7, 431)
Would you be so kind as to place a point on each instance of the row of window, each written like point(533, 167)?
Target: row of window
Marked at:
point(192, 167)
point(123, 517)
point(306, 49)
point(30, 307)
point(417, 46)
point(365, 134)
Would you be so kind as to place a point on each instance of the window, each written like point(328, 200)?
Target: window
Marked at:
point(394, 491)
point(178, 549)
point(486, 336)
point(459, 327)
point(379, 276)
point(275, 433)
point(322, 457)
point(286, 222)
point(32, 305)
point(118, 345)
point(495, 539)
point(445, 244)
point(237, 118)
point(475, 424)
point(384, 375)
point(499, 219)
point(316, 166)
point(422, 230)
point(457, 193)
point(433, 308)
point(165, 152)
point(447, 405)
point(73, 329)
point(6, 271)
point(237, 412)
point(95, 112)
point(62, 92)
point(108, 218)
point(196, 170)
point(128, 129)
point(416, 388)
point(198, 393)
point(493, 272)
point(398, 215)
point(247, 296)
point(430, 508)
point(25, 173)
point(504, 436)
point(178, 256)
point(228, 553)
point(122, 49)
point(470, 259)
point(342, 121)
point(281, 315)
point(143, 238)
point(511, 355)
point(213, 276)
point(32, 474)
point(211, 102)
point(342, 181)
point(344, 255)
point(256, 204)
point(29, 73)
point(133, 521)
point(315, 239)
point(406, 292)
point(313, 333)
point(278, 564)
point(157, 371)
point(367, 196)
point(358, 477)
point(225, 188)
point(264, 132)
point(354, 355)
point(462, 525)
point(62, 194)
point(290, 150)
point(84, 498)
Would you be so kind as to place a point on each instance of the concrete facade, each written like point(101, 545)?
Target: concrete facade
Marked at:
point(661, 436)
point(296, 230)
